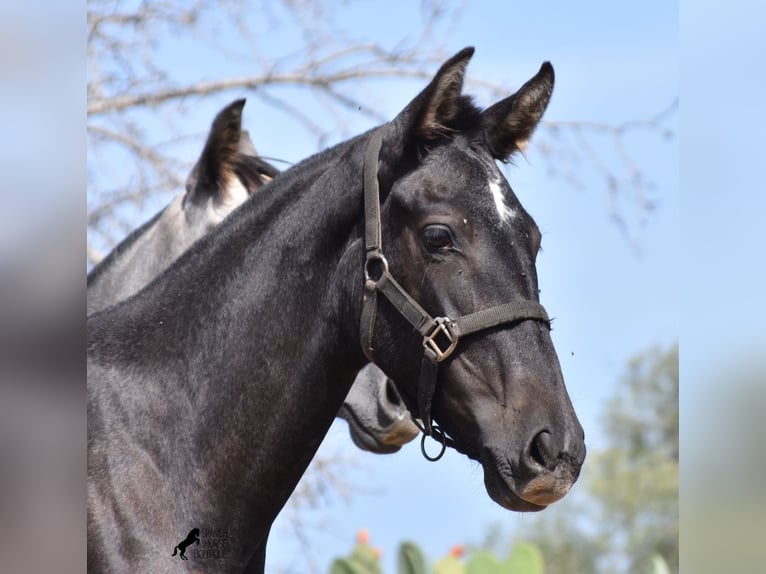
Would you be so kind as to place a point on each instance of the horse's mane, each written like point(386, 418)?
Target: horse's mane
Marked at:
point(467, 116)
point(253, 171)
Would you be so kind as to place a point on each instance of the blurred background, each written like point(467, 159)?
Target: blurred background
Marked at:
point(626, 273)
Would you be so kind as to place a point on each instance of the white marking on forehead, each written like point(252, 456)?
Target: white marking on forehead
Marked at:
point(496, 189)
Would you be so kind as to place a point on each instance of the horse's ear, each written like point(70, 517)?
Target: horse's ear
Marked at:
point(509, 123)
point(251, 167)
point(428, 115)
point(214, 167)
point(246, 146)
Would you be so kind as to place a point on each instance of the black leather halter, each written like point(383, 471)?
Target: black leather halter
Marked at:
point(438, 332)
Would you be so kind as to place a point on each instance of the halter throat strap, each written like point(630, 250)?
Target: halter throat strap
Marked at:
point(440, 334)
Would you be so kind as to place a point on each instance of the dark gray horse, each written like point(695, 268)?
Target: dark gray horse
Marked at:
point(210, 390)
point(227, 173)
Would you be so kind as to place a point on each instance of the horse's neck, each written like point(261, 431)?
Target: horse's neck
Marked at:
point(247, 336)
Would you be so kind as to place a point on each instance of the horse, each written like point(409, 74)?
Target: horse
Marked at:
point(228, 172)
point(211, 389)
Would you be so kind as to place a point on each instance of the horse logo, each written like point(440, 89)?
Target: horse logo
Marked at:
point(186, 542)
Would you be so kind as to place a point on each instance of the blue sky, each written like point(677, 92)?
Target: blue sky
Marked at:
point(613, 62)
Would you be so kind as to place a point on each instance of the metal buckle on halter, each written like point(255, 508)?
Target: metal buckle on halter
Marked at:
point(429, 341)
point(372, 257)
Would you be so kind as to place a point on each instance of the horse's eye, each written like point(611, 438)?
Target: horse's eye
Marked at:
point(438, 238)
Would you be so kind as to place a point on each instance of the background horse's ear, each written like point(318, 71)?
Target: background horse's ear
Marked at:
point(214, 168)
point(427, 116)
point(250, 168)
point(246, 146)
point(509, 123)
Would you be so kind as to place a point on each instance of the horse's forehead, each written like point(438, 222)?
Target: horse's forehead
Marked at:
point(498, 188)
point(463, 172)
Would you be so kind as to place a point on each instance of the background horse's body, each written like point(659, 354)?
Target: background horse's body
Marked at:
point(226, 174)
point(211, 389)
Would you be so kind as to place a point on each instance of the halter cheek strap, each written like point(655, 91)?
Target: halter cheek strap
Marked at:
point(440, 334)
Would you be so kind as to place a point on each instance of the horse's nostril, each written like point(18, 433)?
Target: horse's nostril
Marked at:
point(392, 395)
point(542, 450)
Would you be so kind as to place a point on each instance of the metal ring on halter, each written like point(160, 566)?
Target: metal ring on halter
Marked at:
point(442, 438)
point(372, 257)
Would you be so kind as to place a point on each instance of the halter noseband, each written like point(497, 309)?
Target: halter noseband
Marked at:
point(440, 334)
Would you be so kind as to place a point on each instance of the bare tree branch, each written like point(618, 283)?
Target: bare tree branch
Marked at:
point(622, 178)
point(100, 106)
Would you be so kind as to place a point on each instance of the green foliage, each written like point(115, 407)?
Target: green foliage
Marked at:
point(567, 547)
point(342, 566)
point(525, 558)
point(643, 416)
point(659, 566)
point(635, 480)
point(410, 559)
point(449, 565)
point(483, 562)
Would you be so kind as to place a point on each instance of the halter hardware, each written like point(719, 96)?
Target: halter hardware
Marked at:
point(374, 257)
point(443, 326)
point(429, 327)
point(437, 434)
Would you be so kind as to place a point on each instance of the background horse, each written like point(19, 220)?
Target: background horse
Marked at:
point(228, 172)
point(211, 389)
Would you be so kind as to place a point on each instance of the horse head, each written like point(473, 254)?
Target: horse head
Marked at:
point(227, 172)
point(378, 420)
point(457, 239)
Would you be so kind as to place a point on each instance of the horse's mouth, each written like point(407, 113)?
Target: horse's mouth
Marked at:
point(529, 491)
point(364, 439)
point(503, 491)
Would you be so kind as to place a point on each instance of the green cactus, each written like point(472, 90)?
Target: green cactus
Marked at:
point(525, 558)
point(410, 559)
point(342, 566)
point(362, 560)
point(450, 564)
point(482, 562)
point(659, 565)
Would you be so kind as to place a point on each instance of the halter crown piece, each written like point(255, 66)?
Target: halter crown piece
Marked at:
point(439, 332)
